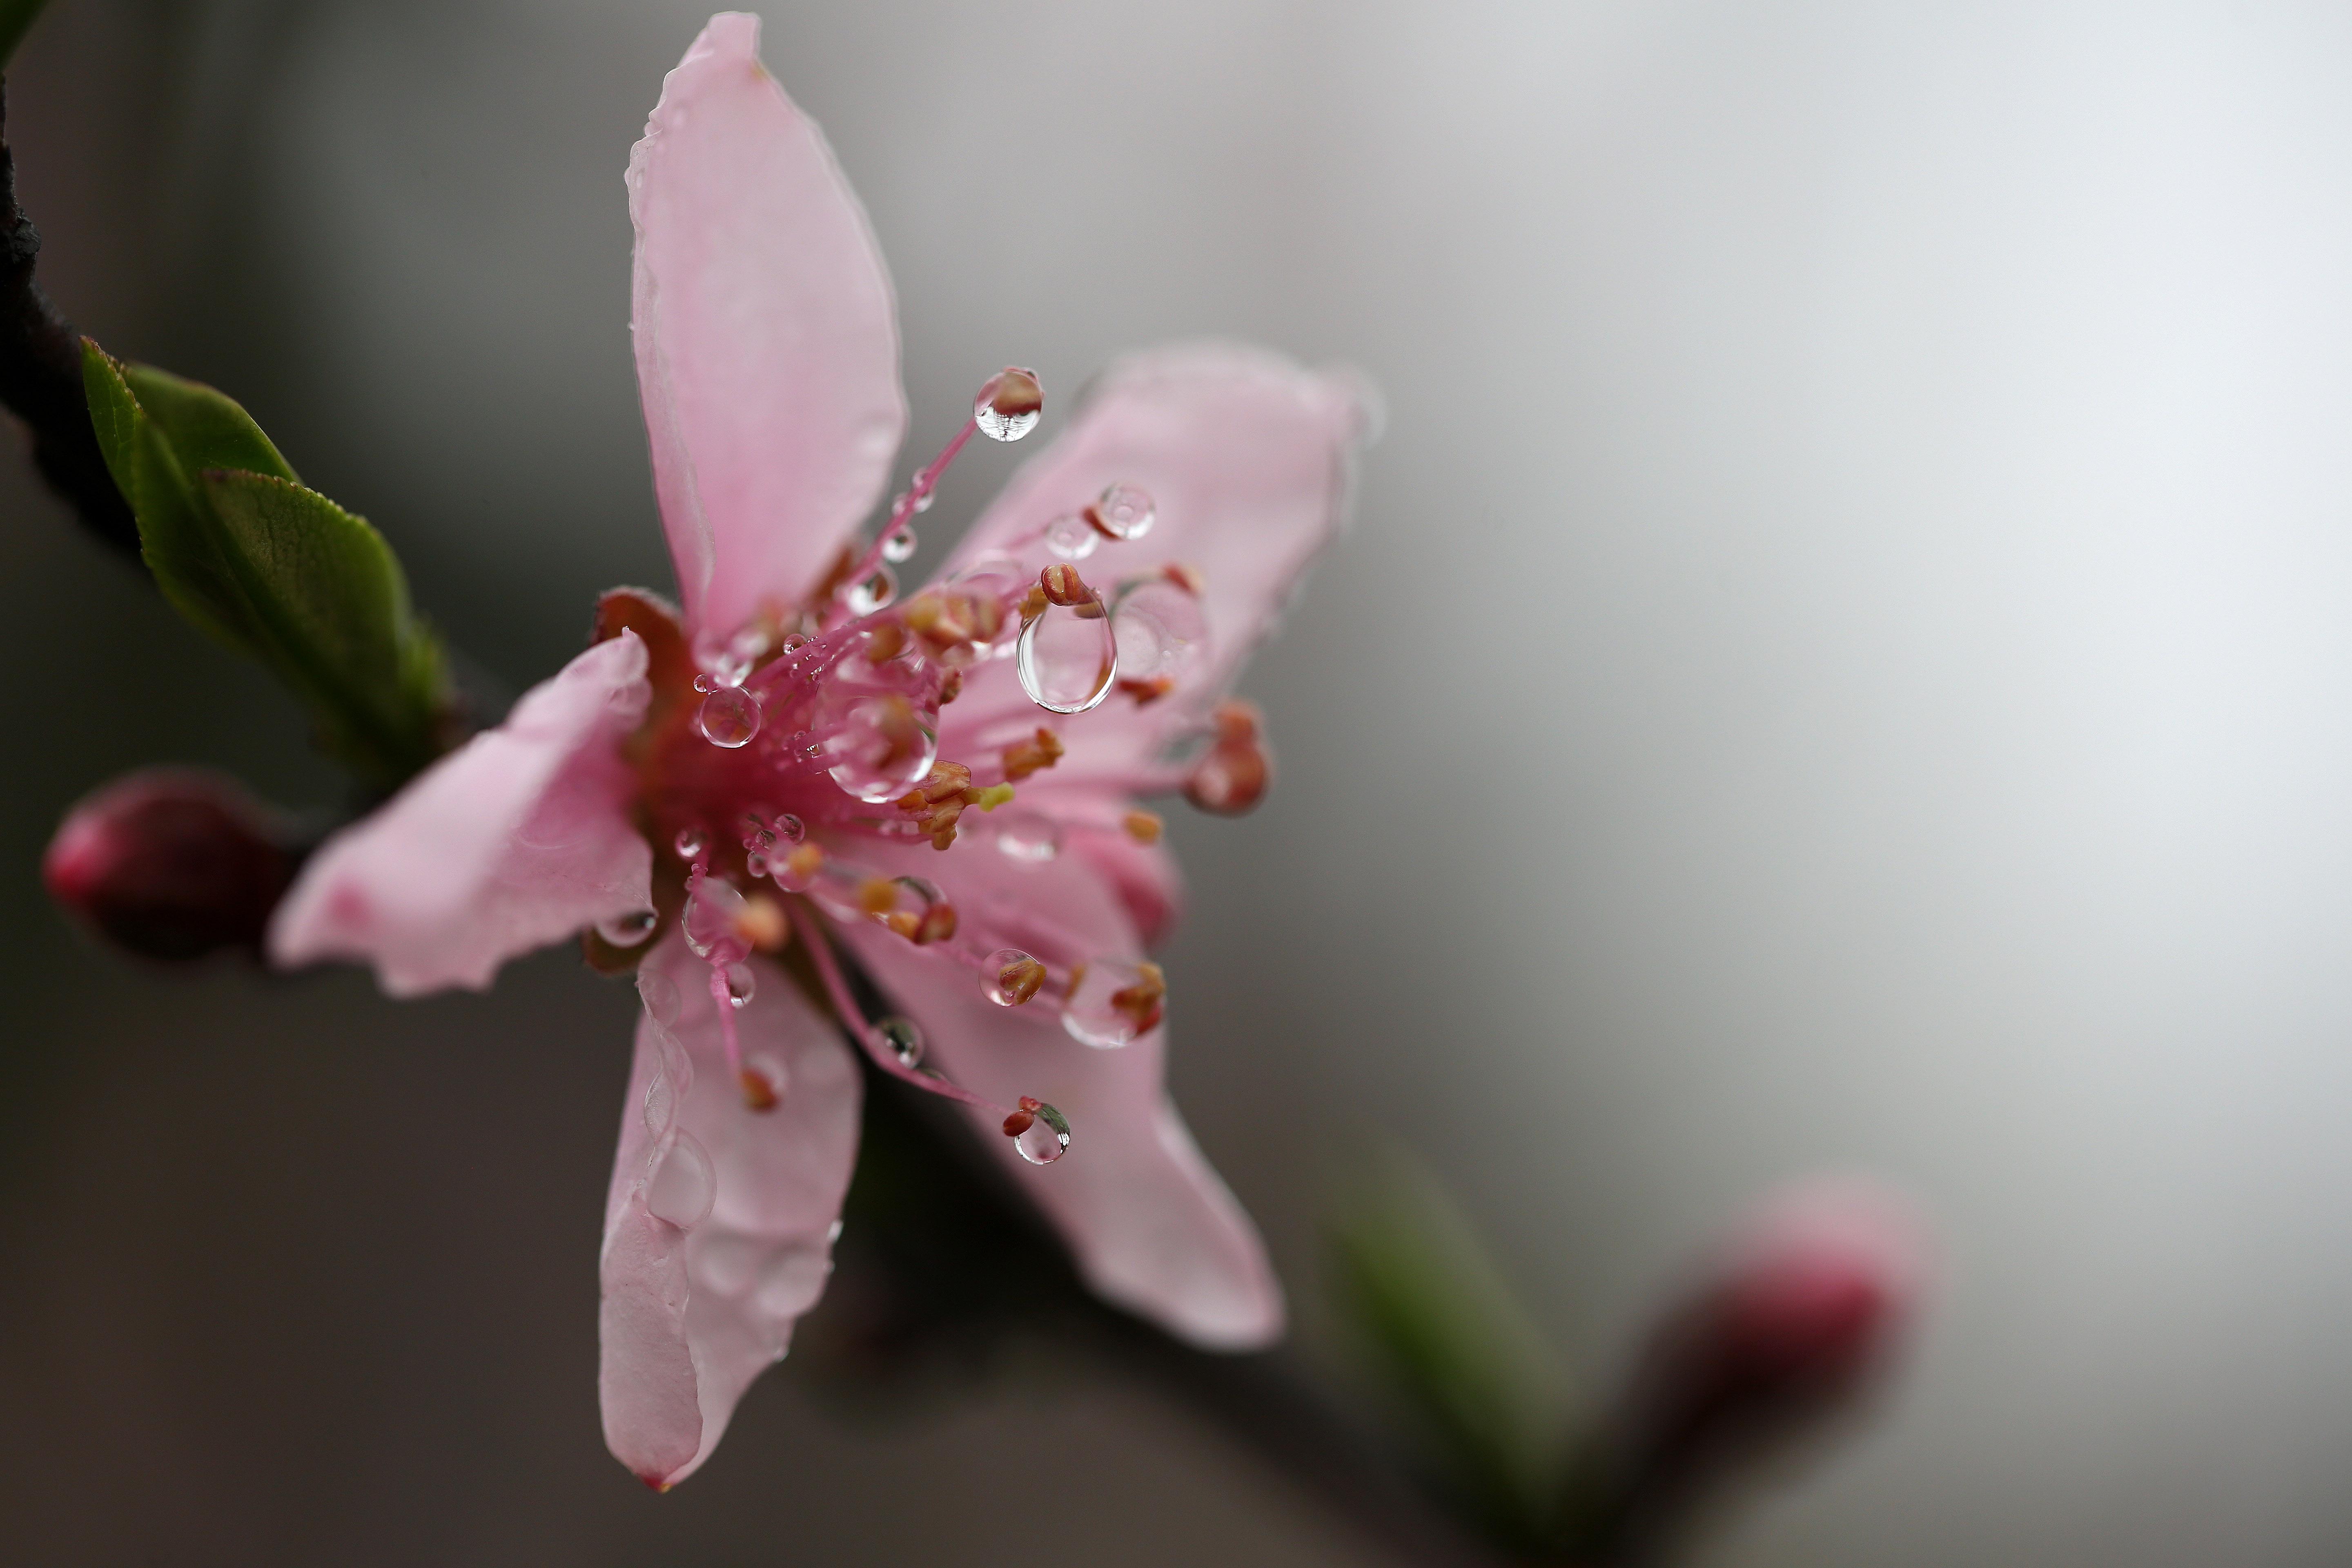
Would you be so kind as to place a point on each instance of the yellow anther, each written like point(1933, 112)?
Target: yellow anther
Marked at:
point(878, 895)
point(1143, 826)
point(762, 925)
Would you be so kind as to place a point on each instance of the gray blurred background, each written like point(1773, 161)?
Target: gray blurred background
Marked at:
point(1843, 664)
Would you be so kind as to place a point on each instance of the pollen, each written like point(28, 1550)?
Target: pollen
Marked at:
point(1143, 826)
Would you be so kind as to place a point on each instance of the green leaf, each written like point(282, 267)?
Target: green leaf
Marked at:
point(16, 20)
point(1485, 1391)
point(271, 568)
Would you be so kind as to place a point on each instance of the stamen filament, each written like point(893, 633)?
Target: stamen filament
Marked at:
point(853, 1018)
point(909, 501)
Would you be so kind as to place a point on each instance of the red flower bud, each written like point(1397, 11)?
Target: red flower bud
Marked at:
point(173, 863)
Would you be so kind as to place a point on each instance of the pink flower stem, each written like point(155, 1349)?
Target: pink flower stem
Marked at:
point(853, 1018)
point(908, 501)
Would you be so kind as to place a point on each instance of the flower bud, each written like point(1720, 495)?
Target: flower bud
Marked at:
point(173, 863)
point(1791, 1326)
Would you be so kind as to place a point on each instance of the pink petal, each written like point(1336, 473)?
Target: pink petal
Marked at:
point(691, 1316)
point(1246, 456)
point(766, 336)
point(1152, 1226)
point(518, 839)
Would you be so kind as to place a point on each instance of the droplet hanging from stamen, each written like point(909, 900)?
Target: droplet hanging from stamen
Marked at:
point(872, 592)
point(684, 1186)
point(688, 844)
point(727, 660)
point(730, 717)
point(627, 930)
point(1010, 405)
point(1123, 513)
point(1071, 537)
point(790, 828)
point(1067, 657)
point(713, 922)
point(1112, 1001)
point(1039, 1133)
point(742, 984)
point(1157, 627)
point(881, 746)
point(902, 1039)
point(899, 545)
point(1010, 977)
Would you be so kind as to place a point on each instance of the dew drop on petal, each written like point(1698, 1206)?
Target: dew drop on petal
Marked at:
point(1045, 1139)
point(1067, 657)
point(729, 718)
point(755, 864)
point(712, 922)
point(901, 1038)
point(1006, 978)
point(1071, 537)
point(1123, 513)
point(1157, 626)
point(627, 930)
point(1028, 836)
point(741, 983)
point(791, 1281)
point(726, 660)
point(1010, 405)
point(688, 843)
point(899, 545)
point(1107, 1007)
point(659, 993)
point(684, 1186)
point(661, 1105)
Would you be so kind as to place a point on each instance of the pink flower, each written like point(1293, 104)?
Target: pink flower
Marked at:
point(941, 785)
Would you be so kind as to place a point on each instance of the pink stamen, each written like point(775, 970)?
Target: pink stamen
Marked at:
point(724, 1000)
point(905, 507)
point(853, 1018)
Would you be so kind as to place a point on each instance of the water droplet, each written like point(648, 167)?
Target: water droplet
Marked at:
point(741, 983)
point(729, 718)
point(661, 1105)
point(1010, 405)
point(899, 546)
point(791, 1281)
point(684, 1186)
point(771, 1075)
point(1010, 977)
point(688, 843)
point(628, 930)
point(1112, 1002)
point(1071, 537)
point(901, 1038)
point(883, 746)
point(755, 864)
point(726, 660)
point(923, 502)
point(1047, 1138)
point(1027, 837)
point(712, 922)
point(1156, 626)
point(1123, 513)
point(790, 828)
point(1067, 657)
point(865, 596)
point(658, 992)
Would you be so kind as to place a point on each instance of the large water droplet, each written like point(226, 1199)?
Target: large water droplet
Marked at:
point(882, 747)
point(1010, 405)
point(1067, 657)
point(1028, 836)
point(901, 1038)
point(1157, 627)
point(628, 930)
point(1009, 976)
point(712, 922)
point(658, 992)
point(1071, 537)
point(1123, 513)
point(1047, 1138)
point(684, 1186)
point(899, 545)
point(1113, 1002)
point(741, 983)
point(727, 660)
point(870, 594)
point(730, 717)
point(688, 843)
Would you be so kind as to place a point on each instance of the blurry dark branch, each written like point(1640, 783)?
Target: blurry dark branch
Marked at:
point(40, 374)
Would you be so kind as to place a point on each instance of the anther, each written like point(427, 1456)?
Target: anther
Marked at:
point(1141, 1000)
point(950, 687)
point(989, 799)
point(762, 925)
point(885, 642)
point(1143, 826)
point(878, 895)
point(1234, 776)
point(1185, 576)
point(1063, 585)
point(1019, 981)
point(1025, 757)
point(759, 1094)
point(1148, 690)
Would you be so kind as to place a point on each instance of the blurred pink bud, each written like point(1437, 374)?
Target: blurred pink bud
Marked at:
point(1794, 1323)
point(171, 863)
